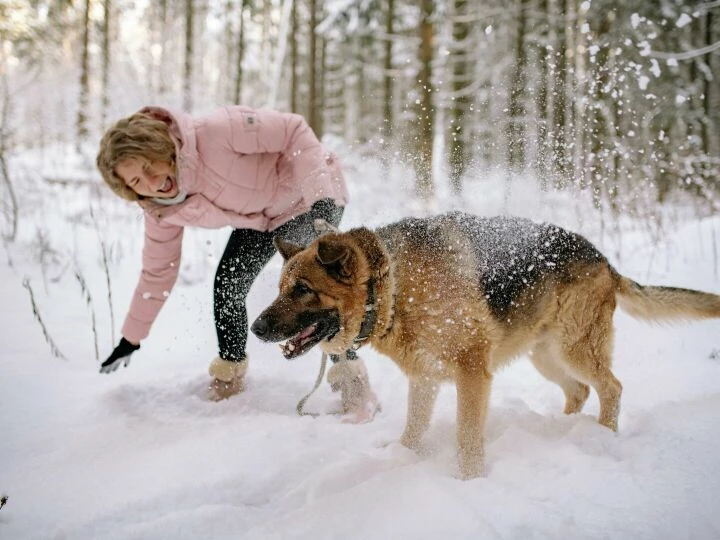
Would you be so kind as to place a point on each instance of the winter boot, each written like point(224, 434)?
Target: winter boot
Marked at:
point(228, 378)
point(350, 378)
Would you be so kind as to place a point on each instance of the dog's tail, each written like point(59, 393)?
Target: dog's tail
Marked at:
point(665, 303)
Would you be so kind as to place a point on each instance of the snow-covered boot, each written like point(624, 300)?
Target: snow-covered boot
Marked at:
point(350, 378)
point(227, 378)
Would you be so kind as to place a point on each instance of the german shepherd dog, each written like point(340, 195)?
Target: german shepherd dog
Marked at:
point(455, 297)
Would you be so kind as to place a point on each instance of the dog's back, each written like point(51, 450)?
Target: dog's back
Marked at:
point(511, 262)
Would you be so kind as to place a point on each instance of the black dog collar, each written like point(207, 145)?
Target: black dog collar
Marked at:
point(370, 318)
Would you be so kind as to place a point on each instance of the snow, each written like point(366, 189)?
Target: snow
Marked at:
point(683, 20)
point(141, 454)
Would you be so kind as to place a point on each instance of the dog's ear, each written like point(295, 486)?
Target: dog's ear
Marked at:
point(286, 249)
point(336, 257)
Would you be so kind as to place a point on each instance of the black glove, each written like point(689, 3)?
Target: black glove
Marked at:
point(121, 355)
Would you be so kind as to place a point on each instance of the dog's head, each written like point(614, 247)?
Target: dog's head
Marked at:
point(321, 298)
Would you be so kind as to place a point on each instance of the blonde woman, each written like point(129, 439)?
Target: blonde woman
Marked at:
point(263, 174)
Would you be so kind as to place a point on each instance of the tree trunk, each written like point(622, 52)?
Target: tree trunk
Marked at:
point(312, 114)
point(162, 67)
point(558, 131)
point(387, 129)
point(425, 112)
point(599, 161)
point(458, 153)
point(240, 54)
point(294, 86)
point(105, 99)
point(84, 95)
point(11, 201)
point(320, 103)
point(544, 98)
point(188, 72)
point(516, 147)
point(711, 102)
point(279, 61)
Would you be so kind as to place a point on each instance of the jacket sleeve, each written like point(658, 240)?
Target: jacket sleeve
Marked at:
point(254, 131)
point(160, 267)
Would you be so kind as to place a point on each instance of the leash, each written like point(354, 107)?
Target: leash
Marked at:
point(321, 227)
point(301, 404)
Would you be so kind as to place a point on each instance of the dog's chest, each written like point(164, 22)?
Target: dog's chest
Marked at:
point(419, 359)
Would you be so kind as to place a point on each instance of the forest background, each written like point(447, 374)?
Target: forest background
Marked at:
point(617, 98)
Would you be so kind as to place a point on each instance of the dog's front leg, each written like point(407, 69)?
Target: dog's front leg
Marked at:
point(421, 399)
point(473, 397)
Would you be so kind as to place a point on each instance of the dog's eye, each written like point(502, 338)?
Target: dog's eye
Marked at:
point(300, 289)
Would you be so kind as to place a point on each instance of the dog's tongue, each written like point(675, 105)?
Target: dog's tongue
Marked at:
point(297, 341)
point(305, 333)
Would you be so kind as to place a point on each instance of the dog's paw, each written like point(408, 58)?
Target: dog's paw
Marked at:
point(362, 414)
point(411, 442)
point(471, 467)
point(472, 475)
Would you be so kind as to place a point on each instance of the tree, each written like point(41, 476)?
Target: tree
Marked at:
point(388, 117)
point(84, 94)
point(240, 52)
point(105, 96)
point(460, 53)
point(558, 131)
point(516, 103)
point(189, 51)
point(294, 59)
point(313, 114)
point(425, 112)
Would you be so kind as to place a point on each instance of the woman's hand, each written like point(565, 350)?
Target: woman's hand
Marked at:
point(121, 355)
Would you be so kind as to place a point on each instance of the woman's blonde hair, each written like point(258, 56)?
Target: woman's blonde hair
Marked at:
point(137, 136)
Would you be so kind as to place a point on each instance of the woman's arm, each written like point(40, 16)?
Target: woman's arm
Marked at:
point(161, 264)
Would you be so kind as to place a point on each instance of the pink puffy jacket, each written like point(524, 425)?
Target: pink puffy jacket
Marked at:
point(241, 168)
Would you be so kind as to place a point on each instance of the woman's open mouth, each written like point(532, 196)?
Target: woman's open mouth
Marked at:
point(167, 186)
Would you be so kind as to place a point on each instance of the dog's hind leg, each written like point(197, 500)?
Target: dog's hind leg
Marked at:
point(546, 357)
point(587, 346)
point(422, 394)
point(473, 397)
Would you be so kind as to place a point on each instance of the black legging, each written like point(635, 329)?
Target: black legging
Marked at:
point(246, 254)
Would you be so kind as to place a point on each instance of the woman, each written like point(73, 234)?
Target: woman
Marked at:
point(263, 173)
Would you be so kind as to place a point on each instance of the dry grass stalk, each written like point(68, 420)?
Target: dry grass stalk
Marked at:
point(106, 269)
point(89, 302)
point(53, 347)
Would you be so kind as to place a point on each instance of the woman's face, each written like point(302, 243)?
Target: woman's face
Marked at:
point(148, 178)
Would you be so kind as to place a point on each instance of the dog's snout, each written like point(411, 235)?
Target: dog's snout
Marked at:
point(260, 327)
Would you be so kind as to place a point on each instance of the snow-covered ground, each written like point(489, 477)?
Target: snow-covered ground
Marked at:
point(141, 454)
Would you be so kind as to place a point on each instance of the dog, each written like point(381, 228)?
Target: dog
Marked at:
point(454, 298)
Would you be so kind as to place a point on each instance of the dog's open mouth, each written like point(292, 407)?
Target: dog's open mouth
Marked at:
point(302, 342)
point(309, 336)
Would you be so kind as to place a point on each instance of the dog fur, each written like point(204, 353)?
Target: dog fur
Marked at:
point(458, 296)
